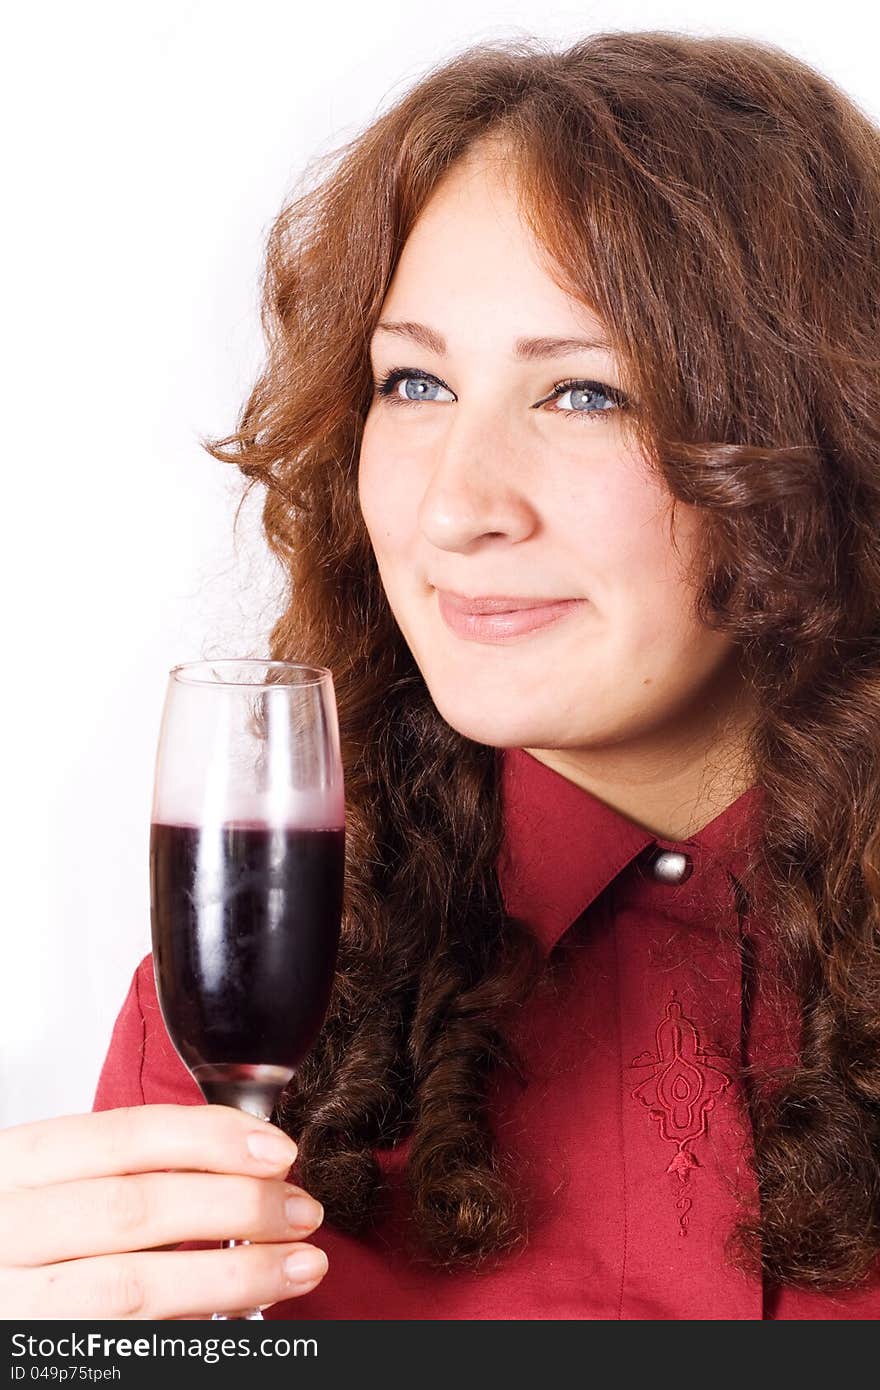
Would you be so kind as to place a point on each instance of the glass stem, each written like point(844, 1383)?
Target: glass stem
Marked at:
point(249, 1314)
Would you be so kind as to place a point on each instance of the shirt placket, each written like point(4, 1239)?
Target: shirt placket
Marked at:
point(685, 1135)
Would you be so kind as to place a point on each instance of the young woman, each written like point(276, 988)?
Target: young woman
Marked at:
point(569, 435)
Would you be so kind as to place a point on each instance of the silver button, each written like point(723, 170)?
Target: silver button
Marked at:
point(670, 866)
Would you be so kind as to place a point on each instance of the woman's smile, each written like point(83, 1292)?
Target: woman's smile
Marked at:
point(481, 621)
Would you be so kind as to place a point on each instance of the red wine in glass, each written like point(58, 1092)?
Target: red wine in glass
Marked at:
point(247, 852)
point(238, 910)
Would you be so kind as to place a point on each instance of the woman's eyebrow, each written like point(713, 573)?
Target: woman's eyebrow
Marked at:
point(524, 349)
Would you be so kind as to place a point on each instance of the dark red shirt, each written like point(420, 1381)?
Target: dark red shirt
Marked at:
point(632, 1133)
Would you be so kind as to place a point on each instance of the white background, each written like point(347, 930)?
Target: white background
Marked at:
point(149, 146)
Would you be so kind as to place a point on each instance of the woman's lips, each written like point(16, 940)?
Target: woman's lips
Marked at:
point(495, 626)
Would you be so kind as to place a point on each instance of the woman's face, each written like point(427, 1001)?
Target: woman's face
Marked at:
point(491, 486)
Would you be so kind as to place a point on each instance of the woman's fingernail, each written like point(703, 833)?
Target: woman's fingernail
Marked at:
point(271, 1148)
point(303, 1265)
point(303, 1211)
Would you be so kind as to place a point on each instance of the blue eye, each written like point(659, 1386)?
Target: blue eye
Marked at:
point(420, 384)
point(581, 391)
point(387, 386)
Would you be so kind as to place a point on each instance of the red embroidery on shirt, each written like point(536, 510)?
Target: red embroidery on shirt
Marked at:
point(680, 1092)
point(683, 1205)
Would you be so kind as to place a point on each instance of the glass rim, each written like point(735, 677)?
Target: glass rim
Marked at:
point(183, 672)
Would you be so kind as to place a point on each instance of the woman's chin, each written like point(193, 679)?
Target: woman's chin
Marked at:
point(496, 729)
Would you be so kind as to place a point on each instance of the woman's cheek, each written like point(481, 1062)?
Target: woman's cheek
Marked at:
point(386, 505)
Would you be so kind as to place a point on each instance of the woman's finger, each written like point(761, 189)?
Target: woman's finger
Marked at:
point(140, 1139)
point(98, 1216)
point(152, 1285)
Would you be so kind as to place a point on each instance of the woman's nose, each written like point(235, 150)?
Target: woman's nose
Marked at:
point(473, 489)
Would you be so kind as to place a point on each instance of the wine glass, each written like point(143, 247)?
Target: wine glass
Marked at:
point(247, 852)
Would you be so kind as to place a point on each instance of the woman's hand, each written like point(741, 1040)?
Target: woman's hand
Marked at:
point(89, 1219)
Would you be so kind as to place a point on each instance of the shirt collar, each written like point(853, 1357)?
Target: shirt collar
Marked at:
point(563, 845)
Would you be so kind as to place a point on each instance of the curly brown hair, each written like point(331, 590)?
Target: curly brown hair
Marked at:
point(716, 202)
